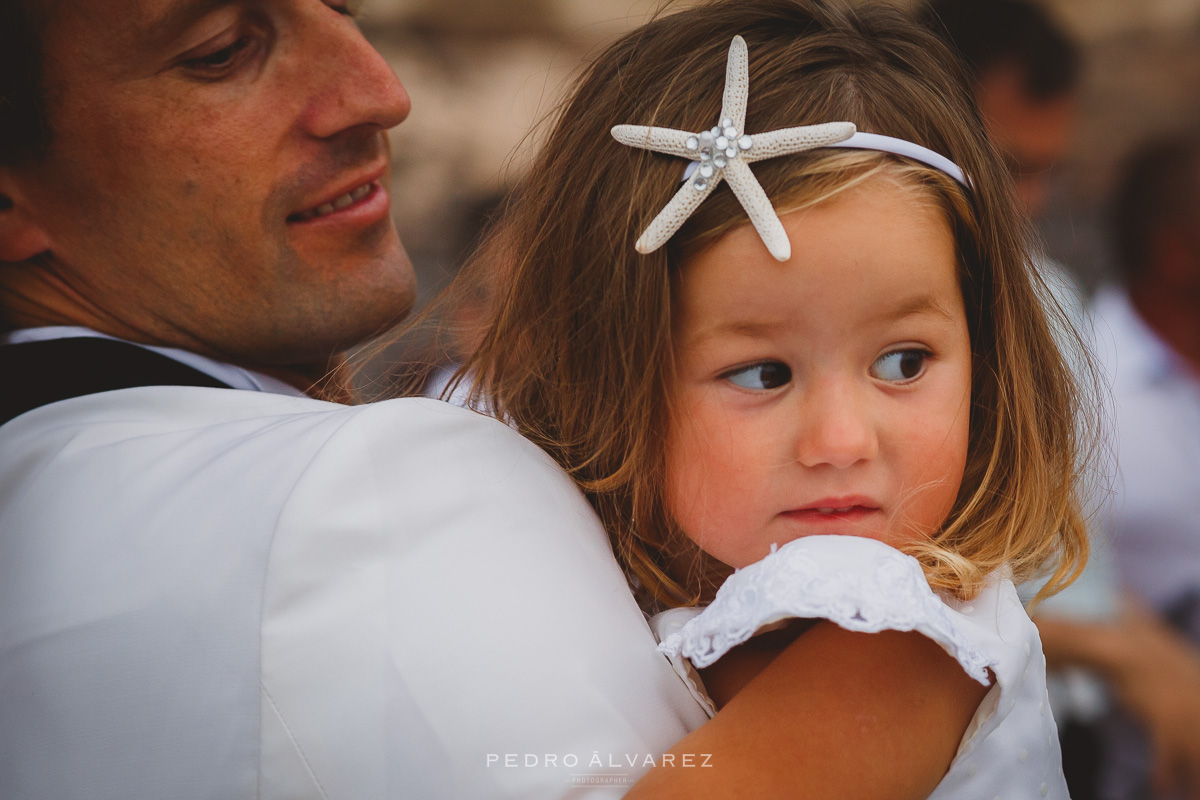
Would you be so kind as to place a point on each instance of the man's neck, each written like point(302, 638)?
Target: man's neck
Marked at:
point(1173, 316)
point(32, 296)
point(329, 383)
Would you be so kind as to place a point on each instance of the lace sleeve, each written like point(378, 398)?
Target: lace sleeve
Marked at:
point(860, 584)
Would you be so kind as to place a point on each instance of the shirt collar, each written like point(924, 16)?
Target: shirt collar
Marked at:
point(233, 376)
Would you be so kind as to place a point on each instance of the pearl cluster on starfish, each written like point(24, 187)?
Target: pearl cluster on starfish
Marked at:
point(725, 153)
point(715, 148)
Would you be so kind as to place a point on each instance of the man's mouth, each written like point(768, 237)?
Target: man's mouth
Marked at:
point(337, 204)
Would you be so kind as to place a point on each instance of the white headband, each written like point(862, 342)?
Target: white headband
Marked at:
point(886, 144)
point(726, 152)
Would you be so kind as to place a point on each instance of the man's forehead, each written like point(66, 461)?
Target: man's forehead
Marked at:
point(142, 24)
point(165, 20)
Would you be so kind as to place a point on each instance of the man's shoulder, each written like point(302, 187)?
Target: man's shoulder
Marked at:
point(429, 434)
point(165, 407)
point(144, 410)
point(441, 433)
point(225, 436)
point(429, 465)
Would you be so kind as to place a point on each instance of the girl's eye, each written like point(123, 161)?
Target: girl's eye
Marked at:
point(220, 59)
point(764, 375)
point(900, 366)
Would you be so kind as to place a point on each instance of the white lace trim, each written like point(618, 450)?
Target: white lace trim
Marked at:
point(860, 584)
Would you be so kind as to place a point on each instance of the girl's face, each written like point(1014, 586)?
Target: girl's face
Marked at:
point(826, 395)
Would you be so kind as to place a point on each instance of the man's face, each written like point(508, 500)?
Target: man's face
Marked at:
point(218, 175)
point(1034, 134)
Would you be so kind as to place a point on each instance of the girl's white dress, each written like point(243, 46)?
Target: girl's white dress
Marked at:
point(1010, 749)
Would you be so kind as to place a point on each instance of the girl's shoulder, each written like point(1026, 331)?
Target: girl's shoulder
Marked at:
point(867, 586)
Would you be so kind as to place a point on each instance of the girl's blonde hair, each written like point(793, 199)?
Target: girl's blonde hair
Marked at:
point(579, 356)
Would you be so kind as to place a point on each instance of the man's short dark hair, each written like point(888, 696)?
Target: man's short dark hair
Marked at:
point(1159, 185)
point(24, 130)
point(997, 33)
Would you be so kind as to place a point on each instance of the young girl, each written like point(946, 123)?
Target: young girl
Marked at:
point(824, 365)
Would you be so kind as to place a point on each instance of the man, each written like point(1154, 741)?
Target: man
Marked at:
point(198, 584)
point(208, 593)
point(1025, 71)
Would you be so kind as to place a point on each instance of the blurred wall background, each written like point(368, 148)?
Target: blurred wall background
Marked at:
point(483, 73)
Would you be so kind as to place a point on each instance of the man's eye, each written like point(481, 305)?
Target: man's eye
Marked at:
point(900, 366)
point(765, 375)
point(219, 59)
point(349, 7)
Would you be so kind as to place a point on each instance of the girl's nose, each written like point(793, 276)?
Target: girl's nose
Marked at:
point(835, 426)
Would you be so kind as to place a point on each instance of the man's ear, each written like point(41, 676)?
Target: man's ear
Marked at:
point(21, 238)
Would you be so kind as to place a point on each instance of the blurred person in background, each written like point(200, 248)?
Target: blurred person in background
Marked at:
point(1148, 335)
point(1025, 71)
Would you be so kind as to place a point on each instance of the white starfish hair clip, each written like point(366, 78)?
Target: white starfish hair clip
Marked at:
point(726, 152)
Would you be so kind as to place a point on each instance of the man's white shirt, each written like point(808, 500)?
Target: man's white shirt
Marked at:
point(210, 593)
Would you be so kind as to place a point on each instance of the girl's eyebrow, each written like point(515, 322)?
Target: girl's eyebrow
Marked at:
point(917, 304)
point(739, 327)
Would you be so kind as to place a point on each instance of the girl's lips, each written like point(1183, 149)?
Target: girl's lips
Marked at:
point(823, 514)
point(840, 504)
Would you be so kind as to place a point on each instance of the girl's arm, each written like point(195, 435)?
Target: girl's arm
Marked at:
point(724, 679)
point(837, 714)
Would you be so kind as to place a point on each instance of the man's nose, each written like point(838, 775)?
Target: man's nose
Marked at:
point(834, 426)
point(354, 87)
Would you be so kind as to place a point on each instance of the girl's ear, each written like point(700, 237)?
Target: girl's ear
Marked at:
point(21, 238)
